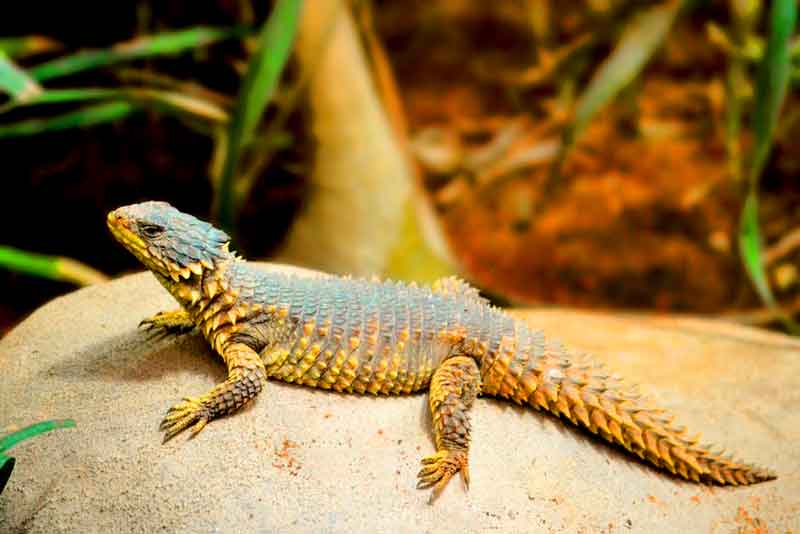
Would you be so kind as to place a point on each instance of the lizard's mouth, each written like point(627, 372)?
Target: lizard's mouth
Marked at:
point(149, 255)
point(130, 240)
point(123, 234)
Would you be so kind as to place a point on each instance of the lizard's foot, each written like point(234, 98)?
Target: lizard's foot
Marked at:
point(439, 468)
point(170, 322)
point(246, 378)
point(183, 415)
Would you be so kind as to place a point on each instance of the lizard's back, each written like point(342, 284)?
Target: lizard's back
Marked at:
point(359, 335)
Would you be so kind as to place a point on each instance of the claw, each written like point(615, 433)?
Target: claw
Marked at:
point(198, 426)
point(428, 479)
point(439, 468)
point(166, 323)
point(427, 470)
point(189, 412)
point(148, 323)
point(438, 488)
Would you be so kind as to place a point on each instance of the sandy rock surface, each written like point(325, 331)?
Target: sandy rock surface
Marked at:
point(301, 460)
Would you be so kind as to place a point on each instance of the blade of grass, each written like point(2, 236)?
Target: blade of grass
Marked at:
point(62, 96)
point(773, 79)
point(163, 44)
point(131, 76)
point(173, 102)
point(260, 81)
point(6, 442)
point(275, 137)
point(88, 116)
point(15, 81)
point(28, 45)
point(52, 267)
point(6, 467)
point(7, 462)
point(751, 245)
point(167, 101)
point(642, 37)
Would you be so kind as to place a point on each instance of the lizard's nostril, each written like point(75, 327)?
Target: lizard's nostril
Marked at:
point(115, 220)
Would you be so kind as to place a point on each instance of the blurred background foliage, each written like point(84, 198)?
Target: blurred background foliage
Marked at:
point(595, 153)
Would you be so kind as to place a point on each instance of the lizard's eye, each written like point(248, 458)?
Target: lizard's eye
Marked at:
point(151, 231)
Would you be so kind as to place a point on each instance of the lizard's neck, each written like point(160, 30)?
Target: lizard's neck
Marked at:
point(198, 290)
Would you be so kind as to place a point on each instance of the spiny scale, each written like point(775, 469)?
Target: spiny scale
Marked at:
point(575, 388)
point(350, 333)
point(358, 338)
point(390, 338)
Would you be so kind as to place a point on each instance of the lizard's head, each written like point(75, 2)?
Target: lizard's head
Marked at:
point(168, 242)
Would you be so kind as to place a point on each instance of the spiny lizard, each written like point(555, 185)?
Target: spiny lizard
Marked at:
point(361, 336)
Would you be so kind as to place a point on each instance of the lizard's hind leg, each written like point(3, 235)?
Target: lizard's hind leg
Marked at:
point(453, 389)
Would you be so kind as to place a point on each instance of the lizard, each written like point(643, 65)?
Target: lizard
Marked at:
point(390, 338)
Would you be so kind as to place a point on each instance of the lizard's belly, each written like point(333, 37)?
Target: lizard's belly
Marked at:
point(393, 373)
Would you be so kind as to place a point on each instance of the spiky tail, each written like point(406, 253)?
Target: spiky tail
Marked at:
point(546, 376)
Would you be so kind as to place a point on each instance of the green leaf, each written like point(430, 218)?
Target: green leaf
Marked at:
point(15, 81)
point(163, 44)
point(29, 263)
point(7, 462)
point(52, 267)
point(750, 247)
point(642, 37)
point(88, 116)
point(177, 104)
point(6, 467)
point(6, 442)
point(62, 96)
point(260, 81)
point(171, 102)
point(773, 78)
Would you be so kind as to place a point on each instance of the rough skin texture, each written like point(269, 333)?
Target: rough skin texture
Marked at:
point(389, 338)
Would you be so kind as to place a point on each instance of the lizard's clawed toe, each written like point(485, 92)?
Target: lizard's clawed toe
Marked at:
point(183, 415)
point(439, 468)
point(168, 323)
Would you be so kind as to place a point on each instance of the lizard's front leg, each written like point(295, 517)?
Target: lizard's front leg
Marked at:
point(171, 322)
point(454, 386)
point(246, 378)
